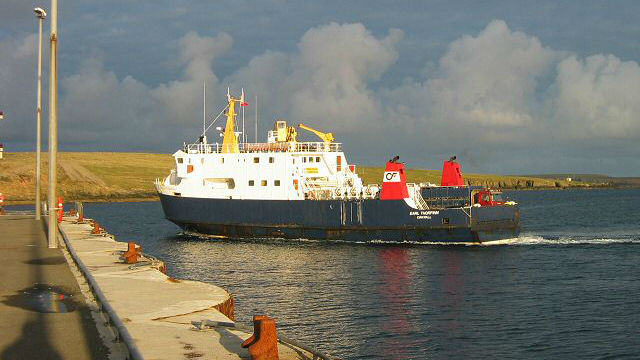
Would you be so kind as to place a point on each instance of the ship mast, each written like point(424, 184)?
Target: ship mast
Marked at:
point(230, 141)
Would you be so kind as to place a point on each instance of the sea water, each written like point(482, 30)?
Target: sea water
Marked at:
point(567, 288)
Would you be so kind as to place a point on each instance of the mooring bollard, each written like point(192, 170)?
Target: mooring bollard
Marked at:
point(132, 254)
point(96, 228)
point(60, 209)
point(263, 344)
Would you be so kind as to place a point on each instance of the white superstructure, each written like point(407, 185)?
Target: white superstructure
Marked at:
point(280, 169)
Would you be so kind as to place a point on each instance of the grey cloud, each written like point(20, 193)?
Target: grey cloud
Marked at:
point(100, 108)
point(182, 98)
point(500, 95)
point(17, 85)
point(327, 81)
point(598, 97)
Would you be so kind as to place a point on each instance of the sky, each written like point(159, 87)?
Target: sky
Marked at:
point(510, 87)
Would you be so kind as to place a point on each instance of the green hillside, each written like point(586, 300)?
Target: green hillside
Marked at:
point(109, 176)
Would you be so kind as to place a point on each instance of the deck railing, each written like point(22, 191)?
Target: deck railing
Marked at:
point(200, 148)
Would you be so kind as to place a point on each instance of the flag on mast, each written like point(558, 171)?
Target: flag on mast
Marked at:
point(242, 102)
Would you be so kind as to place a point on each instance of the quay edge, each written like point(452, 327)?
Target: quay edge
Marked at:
point(158, 311)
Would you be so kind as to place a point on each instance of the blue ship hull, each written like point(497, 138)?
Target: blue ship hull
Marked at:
point(346, 220)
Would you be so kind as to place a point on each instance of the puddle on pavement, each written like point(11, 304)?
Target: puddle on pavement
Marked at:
point(43, 298)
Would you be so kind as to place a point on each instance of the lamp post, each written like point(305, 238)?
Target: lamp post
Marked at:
point(41, 14)
point(53, 126)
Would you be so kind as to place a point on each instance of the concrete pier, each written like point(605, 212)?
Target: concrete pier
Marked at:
point(156, 310)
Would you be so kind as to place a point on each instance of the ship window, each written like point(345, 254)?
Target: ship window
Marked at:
point(180, 160)
point(263, 182)
point(276, 182)
point(304, 159)
point(271, 159)
point(317, 158)
point(222, 160)
point(256, 160)
point(251, 182)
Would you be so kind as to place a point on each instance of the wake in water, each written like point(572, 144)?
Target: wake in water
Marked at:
point(532, 239)
point(522, 240)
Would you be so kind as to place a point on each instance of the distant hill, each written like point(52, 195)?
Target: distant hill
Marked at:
point(110, 176)
point(98, 176)
point(595, 178)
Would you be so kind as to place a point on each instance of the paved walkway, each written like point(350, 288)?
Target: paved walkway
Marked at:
point(27, 267)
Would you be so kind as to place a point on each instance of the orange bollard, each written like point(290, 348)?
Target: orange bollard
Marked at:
point(96, 228)
point(60, 209)
point(132, 253)
point(263, 344)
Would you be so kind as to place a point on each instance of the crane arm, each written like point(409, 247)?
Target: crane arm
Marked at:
point(326, 137)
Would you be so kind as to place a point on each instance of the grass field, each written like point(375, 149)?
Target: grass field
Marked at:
point(97, 176)
point(109, 176)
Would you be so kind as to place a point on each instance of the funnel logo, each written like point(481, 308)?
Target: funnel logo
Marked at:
point(391, 176)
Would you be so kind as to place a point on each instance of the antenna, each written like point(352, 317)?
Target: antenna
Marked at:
point(256, 118)
point(243, 105)
point(204, 108)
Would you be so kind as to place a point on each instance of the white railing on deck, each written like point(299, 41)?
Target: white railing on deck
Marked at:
point(200, 148)
point(416, 195)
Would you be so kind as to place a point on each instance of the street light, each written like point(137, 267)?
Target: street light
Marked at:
point(41, 14)
point(53, 126)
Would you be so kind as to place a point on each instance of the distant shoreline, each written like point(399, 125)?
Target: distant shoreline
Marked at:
point(157, 199)
point(129, 177)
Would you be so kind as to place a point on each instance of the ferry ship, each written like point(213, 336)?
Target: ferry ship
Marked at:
point(292, 189)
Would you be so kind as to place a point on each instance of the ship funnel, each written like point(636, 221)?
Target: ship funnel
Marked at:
point(394, 183)
point(451, 174)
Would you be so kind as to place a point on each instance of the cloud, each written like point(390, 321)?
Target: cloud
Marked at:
point(491, 78)
point(485, 86)
point(502, 92)
point(98, 107)
point(499, 96)
point(17, 88)
point(597, 97)
point(327, 81)
point(182, 97)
